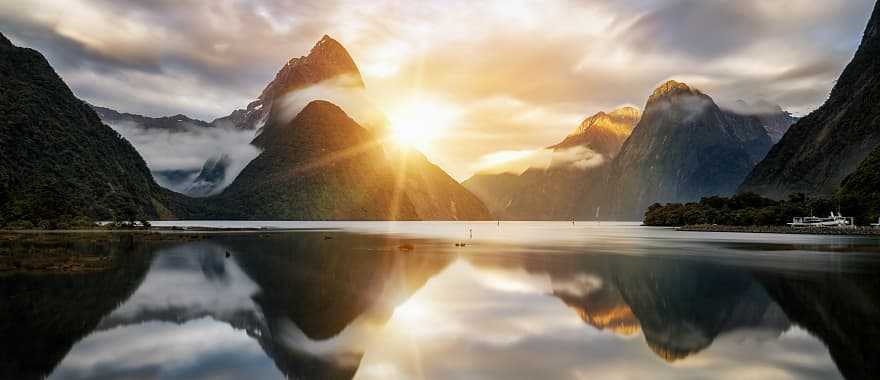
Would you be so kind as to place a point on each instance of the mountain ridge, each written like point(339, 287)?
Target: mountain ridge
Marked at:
point(821, 149)
point(59, 169)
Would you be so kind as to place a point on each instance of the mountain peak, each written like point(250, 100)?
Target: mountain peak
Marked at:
point(328, 59)
point(320, 107)
point(603, 132)
point(672, 87)
point(627, 113)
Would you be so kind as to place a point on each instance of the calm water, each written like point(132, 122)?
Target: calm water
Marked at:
point(522, 301)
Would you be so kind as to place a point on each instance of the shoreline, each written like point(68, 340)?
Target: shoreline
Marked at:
point(154, 233)
point(785, 230)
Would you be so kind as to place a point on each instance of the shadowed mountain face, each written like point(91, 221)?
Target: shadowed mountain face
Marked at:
point(327, 60)
point(58, 160)
point(320, 166)
point(684, 147)
point(570, 186)
point(860, 189)
point(818, 152)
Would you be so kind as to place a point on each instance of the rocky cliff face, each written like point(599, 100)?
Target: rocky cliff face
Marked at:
point(824, 147)
point(684, 147)
point(58, 160)
point(568, 188)
point(327, 60)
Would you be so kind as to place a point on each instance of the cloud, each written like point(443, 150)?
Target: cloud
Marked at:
point(353, 100)
point(188, 148)
point(518, 161)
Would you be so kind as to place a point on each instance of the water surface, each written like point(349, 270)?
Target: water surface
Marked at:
point(520, 301)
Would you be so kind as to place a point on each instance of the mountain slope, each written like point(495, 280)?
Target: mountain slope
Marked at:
point(684, 147)
point(321, 165)
point(824, 147)
point(435, 195)
point(861, 190)
point(58, 161)
point(567, 187)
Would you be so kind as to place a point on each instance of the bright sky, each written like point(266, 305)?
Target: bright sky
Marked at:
point(501, 76)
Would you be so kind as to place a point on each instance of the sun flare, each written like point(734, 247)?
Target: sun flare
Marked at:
point(419, 122)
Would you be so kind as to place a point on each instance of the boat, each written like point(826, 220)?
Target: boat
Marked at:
point(876, 225)
point(812, 221)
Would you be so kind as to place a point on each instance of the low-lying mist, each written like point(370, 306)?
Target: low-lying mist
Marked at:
point(516, 162)
point(354, 100)
point(175, 156)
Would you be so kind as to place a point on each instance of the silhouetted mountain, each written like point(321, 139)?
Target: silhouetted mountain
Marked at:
point(168, 123)
point(322, 165)
point(684, 148)
point(328, 59)
point(495, 190)
point(824, 147)
point(568, 187)
point(58, 161)
point(434, 194)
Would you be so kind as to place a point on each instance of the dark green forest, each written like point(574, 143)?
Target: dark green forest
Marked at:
point(749, 209)
point(60, 167)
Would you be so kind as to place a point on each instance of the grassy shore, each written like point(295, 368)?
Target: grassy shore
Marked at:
point(847, 231)
point(61, 251)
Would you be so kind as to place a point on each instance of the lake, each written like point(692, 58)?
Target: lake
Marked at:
point(371, 300)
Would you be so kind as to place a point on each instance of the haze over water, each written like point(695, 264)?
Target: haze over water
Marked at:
point(521, 301)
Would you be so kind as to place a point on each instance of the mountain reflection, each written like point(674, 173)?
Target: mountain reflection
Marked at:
point(301, 297)
point(312, 306)
point(682, 305)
